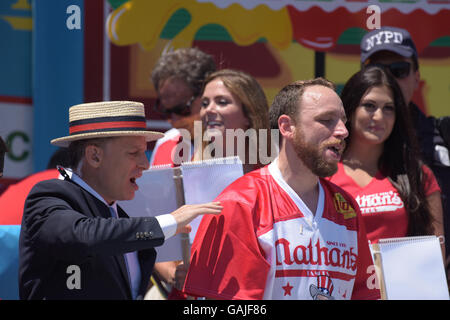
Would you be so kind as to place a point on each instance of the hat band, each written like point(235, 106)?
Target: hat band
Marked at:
point(107, 124)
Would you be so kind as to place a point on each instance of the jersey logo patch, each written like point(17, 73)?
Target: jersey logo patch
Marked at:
point(342, 206)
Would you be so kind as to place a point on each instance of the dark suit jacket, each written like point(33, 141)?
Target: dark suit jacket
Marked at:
point(64, 225)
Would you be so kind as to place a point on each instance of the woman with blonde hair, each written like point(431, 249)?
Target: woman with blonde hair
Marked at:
point(235, 116)
point(235, 121)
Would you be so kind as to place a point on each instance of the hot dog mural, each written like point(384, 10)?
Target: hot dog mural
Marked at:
point(55, 54)
point(111, 53)
point(277, 41)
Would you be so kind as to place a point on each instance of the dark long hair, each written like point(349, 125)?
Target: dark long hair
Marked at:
point(400, 160)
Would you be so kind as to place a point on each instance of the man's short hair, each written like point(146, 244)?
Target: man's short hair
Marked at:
point(287, 100)
point(188, 64)
point(76, 150)
point(59, 158)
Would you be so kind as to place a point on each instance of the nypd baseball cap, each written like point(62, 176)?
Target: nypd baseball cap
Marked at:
point(390, 39)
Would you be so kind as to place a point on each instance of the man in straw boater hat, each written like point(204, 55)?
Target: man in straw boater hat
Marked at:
point(75, 241)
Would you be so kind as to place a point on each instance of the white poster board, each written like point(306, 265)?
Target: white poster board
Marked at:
point(203, 181)
point(156, 196)
point(412, 268)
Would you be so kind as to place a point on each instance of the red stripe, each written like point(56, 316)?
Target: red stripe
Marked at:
point(312, 273)
point(16, 99)
point(107, 125)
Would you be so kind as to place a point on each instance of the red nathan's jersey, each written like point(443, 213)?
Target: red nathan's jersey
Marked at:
point(267, 244)
point(167, 150)
point(164, 148)
point(382, 208)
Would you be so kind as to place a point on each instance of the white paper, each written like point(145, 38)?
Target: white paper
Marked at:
point(203, 181)
point(413, 269)
point(156, 196)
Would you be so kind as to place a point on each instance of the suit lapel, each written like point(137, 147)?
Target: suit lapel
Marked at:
point(99, 209)
point(146, 261)
point(121, 213)
point(121, 259)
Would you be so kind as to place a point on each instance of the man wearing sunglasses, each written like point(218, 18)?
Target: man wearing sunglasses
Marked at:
point(178, 80)
point(394, 49)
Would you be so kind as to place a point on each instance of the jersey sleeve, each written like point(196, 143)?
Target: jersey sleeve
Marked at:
point(430, 183)
point(366, 285)
point(162, 154)
point(226, 261)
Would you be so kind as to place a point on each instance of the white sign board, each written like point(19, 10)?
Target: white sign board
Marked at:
point(203, 181)
point(413, 268)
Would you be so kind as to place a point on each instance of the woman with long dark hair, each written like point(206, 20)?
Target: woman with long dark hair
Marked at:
point(381, 167)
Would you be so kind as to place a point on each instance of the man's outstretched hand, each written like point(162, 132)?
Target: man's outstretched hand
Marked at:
point(185, 214)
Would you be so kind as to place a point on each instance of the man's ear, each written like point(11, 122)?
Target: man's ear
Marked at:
point(286, 126)
point(93, 155)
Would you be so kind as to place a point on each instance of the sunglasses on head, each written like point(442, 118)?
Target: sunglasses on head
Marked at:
point(398, 69)
point(181, 109)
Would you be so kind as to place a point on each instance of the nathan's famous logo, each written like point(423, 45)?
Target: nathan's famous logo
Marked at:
point(324, 288)
point(379, 202)
point(342, 206)
point(315, 255)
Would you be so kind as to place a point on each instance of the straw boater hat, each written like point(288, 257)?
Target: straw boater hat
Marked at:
point(106, 119)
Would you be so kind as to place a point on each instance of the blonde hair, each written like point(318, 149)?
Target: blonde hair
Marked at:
point(249, 92)
point(251, 95)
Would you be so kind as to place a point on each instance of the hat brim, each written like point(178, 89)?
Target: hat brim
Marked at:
point(407, 53)
point(65, 141)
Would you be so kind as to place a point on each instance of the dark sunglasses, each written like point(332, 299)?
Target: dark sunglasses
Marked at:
point(398, 69)
point(182, 109)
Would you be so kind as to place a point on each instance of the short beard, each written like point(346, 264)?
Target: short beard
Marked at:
point(312, 157)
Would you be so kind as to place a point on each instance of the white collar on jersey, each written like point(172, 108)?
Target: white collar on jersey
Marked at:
point(276, 174)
